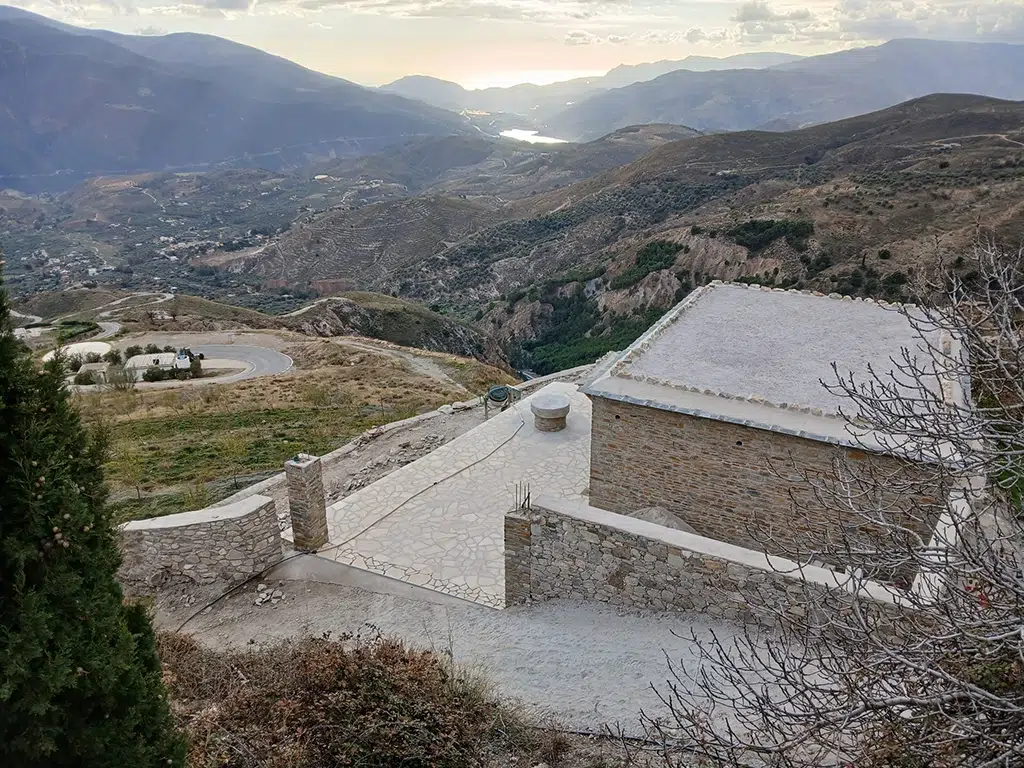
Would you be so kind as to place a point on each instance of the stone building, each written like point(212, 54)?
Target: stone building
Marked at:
point(718, 413)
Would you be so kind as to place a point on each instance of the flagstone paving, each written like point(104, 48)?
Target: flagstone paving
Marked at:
point(439, 521)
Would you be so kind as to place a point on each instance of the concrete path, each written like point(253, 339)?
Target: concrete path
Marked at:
point(584, 665)
point(439, 521)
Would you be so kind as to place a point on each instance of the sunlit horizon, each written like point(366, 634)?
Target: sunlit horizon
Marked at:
point(522, 77)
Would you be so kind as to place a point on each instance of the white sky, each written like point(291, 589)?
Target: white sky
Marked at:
point(501, 42)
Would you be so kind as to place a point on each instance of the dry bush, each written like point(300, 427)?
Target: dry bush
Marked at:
point(323, 702)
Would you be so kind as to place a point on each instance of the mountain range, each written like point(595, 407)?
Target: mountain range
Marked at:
point(817, 89)
point(533, 103)
point(76, 102)
point(942, 166)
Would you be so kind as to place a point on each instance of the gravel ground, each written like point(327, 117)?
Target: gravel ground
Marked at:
point(583, 666)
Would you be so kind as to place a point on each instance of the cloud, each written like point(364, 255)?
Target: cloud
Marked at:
point(318, 25)
point(654, 22)
point(150, 31)
point(995, 20)
point(759, 11)
point(580, 37)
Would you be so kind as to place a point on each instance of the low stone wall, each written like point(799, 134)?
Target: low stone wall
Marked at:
point(562, 550)
point(217, 545)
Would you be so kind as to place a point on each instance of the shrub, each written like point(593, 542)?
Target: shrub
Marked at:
point(168, 348)
point(154, 374)
point(885, 254)
point(758, 234)
point(133, 350)
point(374, 704)
point(73, 363)
point(195, 368)
point(655, 256)
point(113, 357)
point(152, 349)
point(85, 378)
point(120, 379)
point(93, 357)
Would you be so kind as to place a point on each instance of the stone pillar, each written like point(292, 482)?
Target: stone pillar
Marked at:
point(306, 503)
point(518, 557)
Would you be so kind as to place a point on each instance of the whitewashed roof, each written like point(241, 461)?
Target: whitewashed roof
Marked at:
point(758, 356)
point(146, 360)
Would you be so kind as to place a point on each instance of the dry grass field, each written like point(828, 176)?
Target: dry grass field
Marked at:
point(179, 449)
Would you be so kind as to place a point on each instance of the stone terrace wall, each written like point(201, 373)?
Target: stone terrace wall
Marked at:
point(217, 545)
point(726, 480)
point(560, 550)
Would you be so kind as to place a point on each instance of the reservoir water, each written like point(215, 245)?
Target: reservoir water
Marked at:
point(533, 137)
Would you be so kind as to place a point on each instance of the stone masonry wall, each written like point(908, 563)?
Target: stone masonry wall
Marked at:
point(585, 553)
point(217, 545)
point(729, 482)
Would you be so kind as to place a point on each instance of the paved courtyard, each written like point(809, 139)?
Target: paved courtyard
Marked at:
point(439, 522)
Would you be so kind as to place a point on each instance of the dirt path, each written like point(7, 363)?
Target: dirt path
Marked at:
point(29, 319)
point(421, 365)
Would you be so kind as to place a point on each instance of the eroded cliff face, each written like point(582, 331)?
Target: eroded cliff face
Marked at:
point(400, 322)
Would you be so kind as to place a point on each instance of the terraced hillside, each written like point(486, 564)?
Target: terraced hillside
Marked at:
point(891, 182)
point(342, 250)
point(866, 207)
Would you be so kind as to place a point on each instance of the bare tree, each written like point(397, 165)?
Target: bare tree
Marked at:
point(939, 680)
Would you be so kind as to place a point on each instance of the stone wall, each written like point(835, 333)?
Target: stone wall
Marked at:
point(561, 550)
point(730, 482)
point(217, 545)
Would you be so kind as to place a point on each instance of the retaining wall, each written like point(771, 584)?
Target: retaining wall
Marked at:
point(565, 550)
point(216, 545)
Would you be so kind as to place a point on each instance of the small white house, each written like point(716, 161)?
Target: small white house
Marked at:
point(98, 371)
point(166, 361)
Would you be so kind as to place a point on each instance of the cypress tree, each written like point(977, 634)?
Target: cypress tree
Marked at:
point(80, 681)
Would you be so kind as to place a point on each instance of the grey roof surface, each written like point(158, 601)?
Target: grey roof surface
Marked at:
point(758, 356)
point(779, 345)
point(93, 367)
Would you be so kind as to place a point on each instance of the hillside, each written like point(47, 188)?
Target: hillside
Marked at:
point(817, 89)
point(77, 103)
point(627, 74)
point(933, 165)
point(347, 249)
point(862, 206)
point(374, 316)
point(504, 168)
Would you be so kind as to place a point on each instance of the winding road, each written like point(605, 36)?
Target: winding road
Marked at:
point(254, 361)
point(259, 361)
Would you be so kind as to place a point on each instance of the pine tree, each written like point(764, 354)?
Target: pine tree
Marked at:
point(80, 681)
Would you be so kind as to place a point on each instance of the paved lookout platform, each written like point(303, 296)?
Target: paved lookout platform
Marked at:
point(439, 522)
